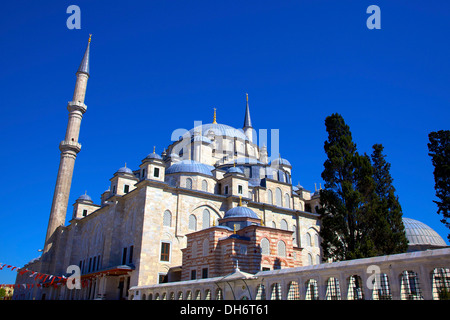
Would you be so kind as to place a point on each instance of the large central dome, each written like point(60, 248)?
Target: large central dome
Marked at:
point(219, 130)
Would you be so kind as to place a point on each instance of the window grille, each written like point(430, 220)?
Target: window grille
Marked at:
point(261, 293)
point(167, 219)
point(410, 289)
point(441, 284)
point(189, 183)
point(281, 249)
point(265, 246)
point(293, 292)
point(381, 291)
point(312, 292)
point(276, 292)
point(333, 290)
point(192, 223)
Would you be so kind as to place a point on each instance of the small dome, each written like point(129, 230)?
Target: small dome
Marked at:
point(240, 211)
point(190, 166)
point(235, 170)
point(153, 156)
point(418, 233)
point(125, 170)
point(84, 197)
point(281, 162)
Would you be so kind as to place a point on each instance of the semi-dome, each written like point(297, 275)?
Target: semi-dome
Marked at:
point(190, 166)
point(419, 234)
point(240, 211)
point(219, 130)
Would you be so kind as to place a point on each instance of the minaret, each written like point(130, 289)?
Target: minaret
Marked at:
point(69, 149)
point(248, 129)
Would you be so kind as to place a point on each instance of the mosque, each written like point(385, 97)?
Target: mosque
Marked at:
point(212, 205)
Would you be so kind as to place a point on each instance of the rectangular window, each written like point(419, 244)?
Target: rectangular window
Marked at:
point(94, 264)
point(193, 274)
point(226, 190)
point(90, 264)
point(204, 273)
point(165, 251)
point(124, 256)
point(84, 213)
point(143, 174)
point(130, 258)
point(162, 278)
point(239, 189)
point(126, 188)
point(156, 172)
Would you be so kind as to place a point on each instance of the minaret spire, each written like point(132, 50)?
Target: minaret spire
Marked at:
point(69, 148)
point(248, 129)
point(247, 120)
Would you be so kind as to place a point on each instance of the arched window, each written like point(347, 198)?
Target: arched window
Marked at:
point(208, 294)
point(287, 200)
point(284, 225)
point(278, 197)
point(189, 183)
point(312, 292)
point(205, 247)
point(293, 292)
point(310, 259)
point(261, 292)
point(219, 295)
point(205, 219)
point(265, 246)
point(308, 239)
point(205, 185)
point(381, 289)
point(410, 289)
point(281, 248)
point(180, 295)
point(440, 283)
point(274, 225)
point(276, 292)
point(192, 223)
point(316, 240)
point(355, 288)
point(269, 197)
point(333, 290)
point(167, 219)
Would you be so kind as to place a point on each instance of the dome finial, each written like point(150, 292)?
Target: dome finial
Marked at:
point(240, 201)
point(90, 36)
point(214, 119)
point(154, 147)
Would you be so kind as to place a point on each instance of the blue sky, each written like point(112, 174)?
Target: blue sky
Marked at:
point(160, 65)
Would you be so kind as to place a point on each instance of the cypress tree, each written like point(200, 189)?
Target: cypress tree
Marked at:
point(345, 207)
point(388, 233)
point(439, 150)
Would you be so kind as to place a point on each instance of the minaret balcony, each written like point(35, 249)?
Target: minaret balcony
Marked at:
point(70, 145)
point(76, 106)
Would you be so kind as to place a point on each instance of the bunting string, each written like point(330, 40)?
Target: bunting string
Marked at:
point(39, 278)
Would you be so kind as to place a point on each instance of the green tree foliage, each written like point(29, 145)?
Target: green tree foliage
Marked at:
point(360, 213)
point(439, 150)
point(388, 231)
point(345, 201)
